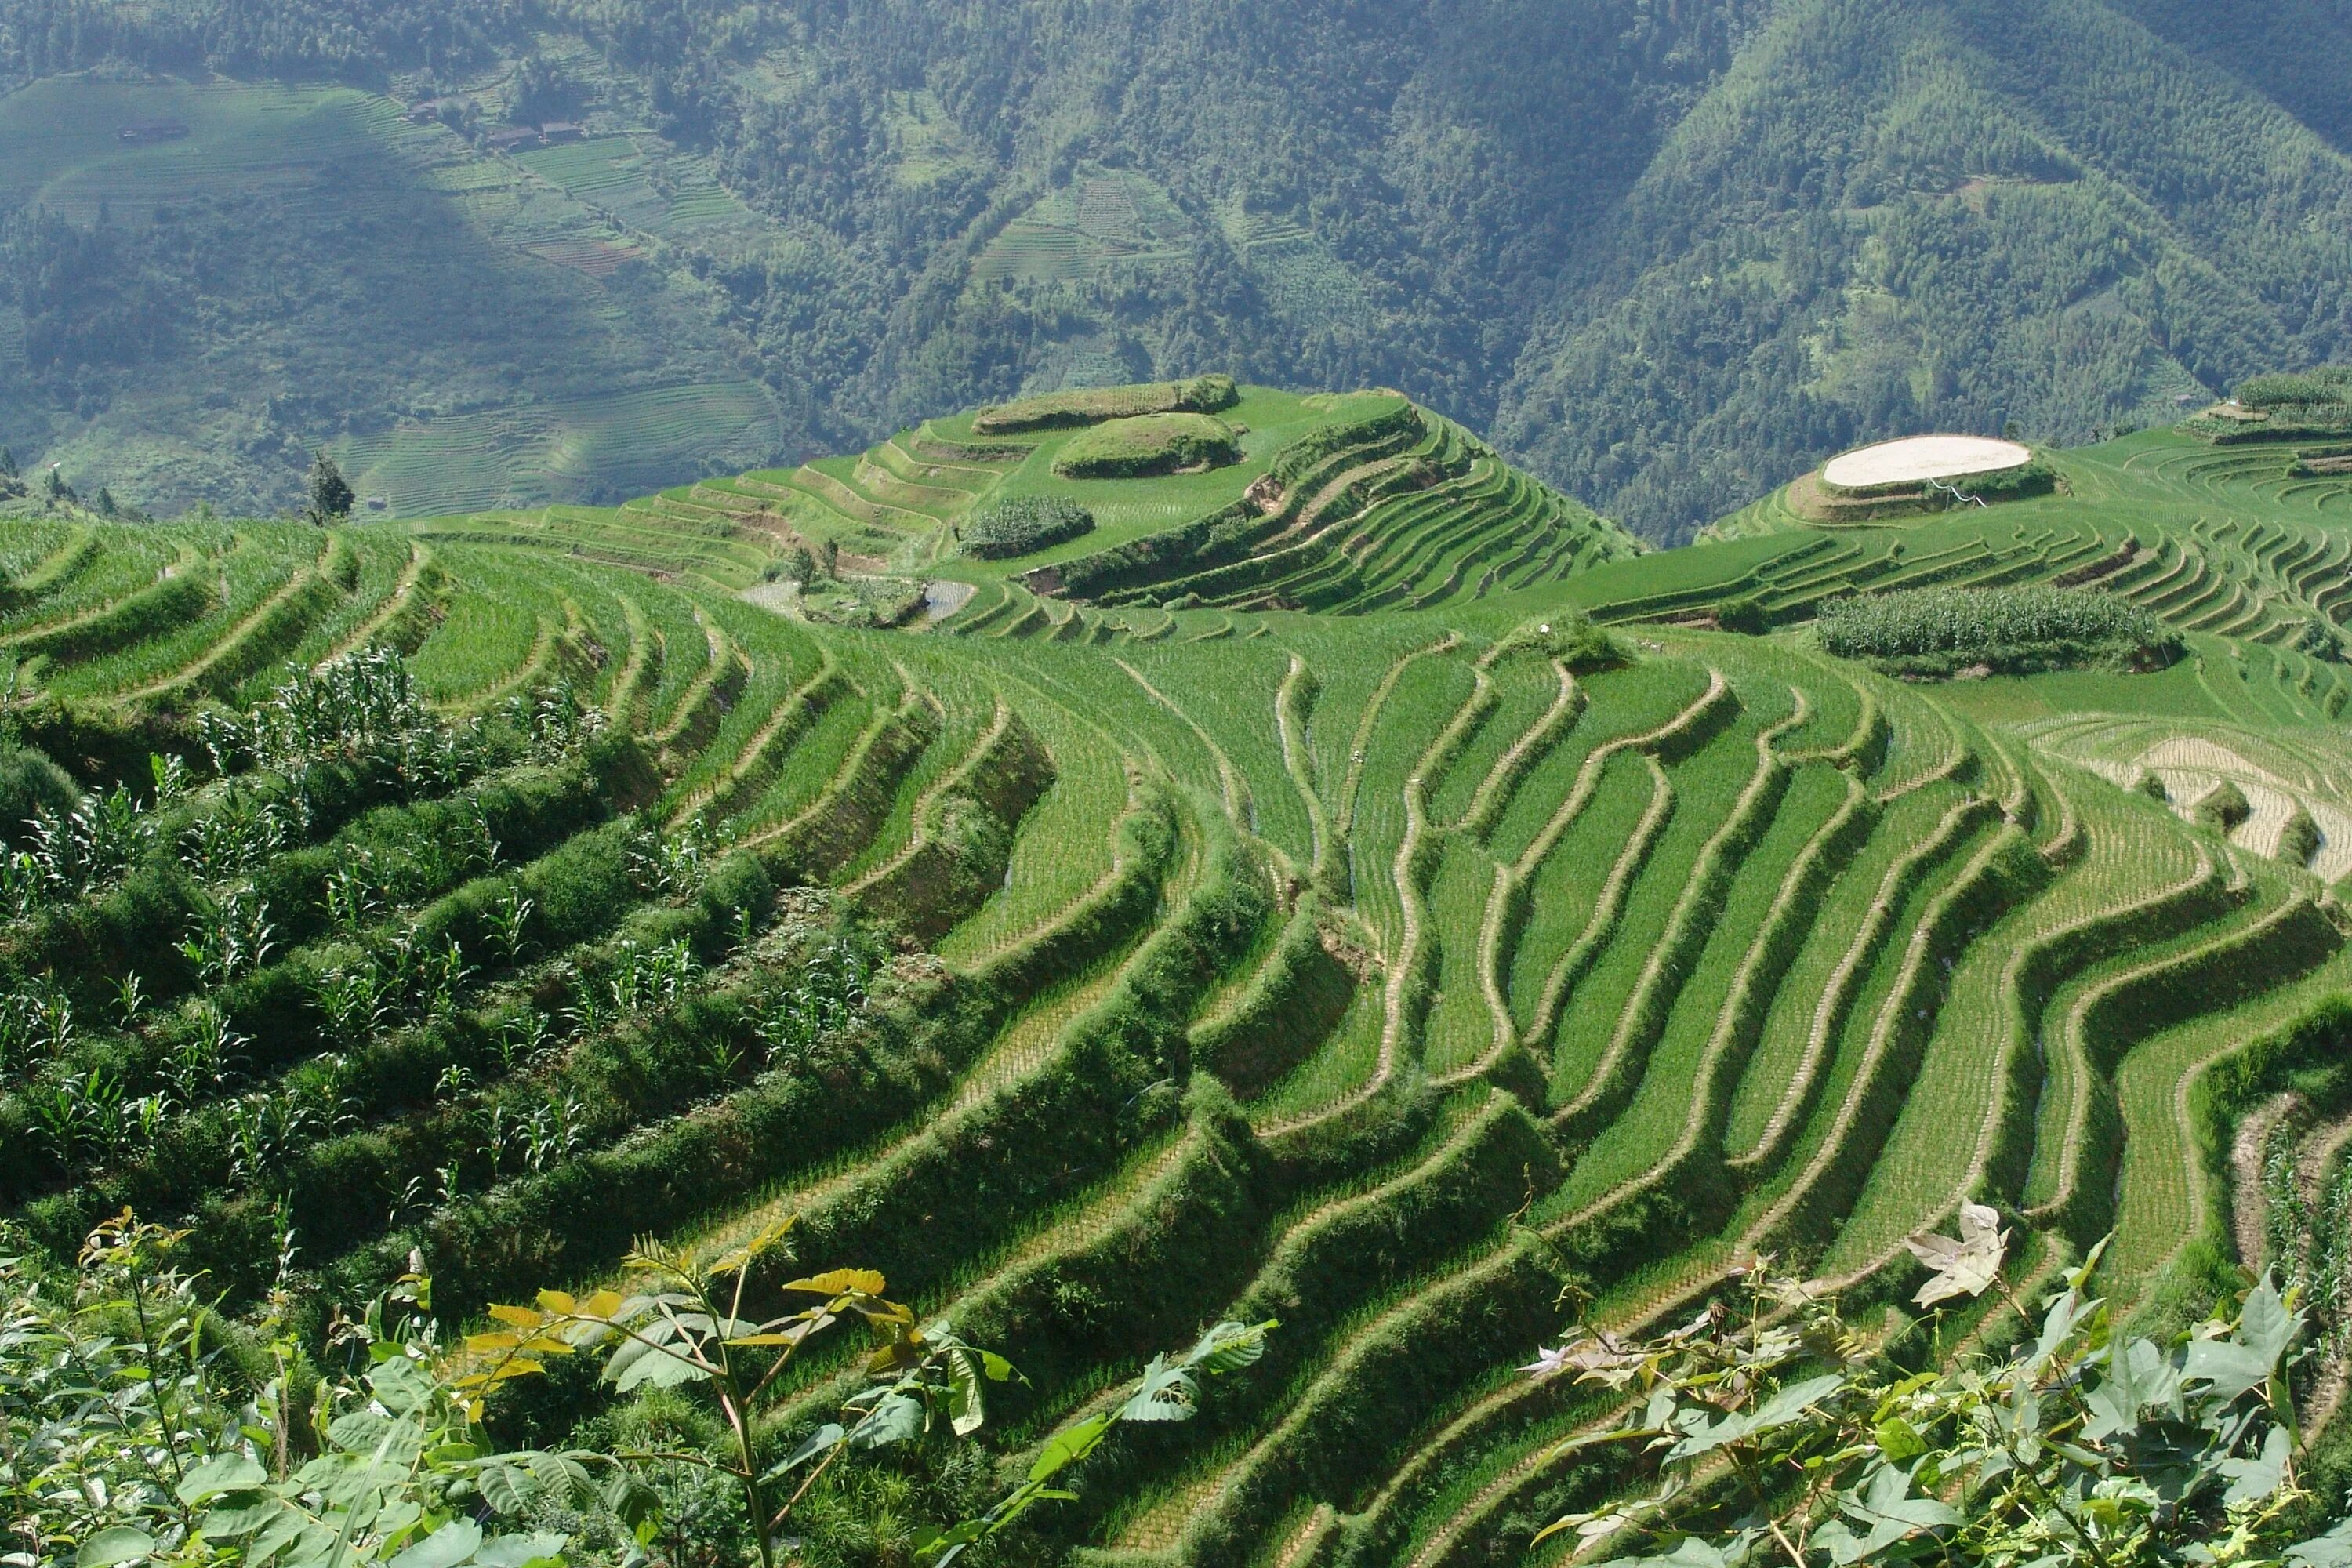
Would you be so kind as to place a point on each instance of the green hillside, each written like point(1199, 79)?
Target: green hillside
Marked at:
point(1128, 962)
point(1667, 256)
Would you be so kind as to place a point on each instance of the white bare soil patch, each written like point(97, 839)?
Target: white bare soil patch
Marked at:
point(2191, 767)
point(1921, 458)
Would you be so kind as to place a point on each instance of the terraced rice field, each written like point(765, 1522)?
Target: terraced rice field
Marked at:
point(1372, 970)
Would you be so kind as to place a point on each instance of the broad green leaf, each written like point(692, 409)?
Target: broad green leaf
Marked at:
point(969, 1413)
point(1230, 1346)
point(841, 1282)
point(123, 1543)
point(820, 1441)
point(2252, 1480)
point(229, 1472)
point(453, 1543)
point(520, 1550)
point(660, 1370)
point(2333, 1549)
point(1068, 1446)
point(897, 1418)
point(2267, 1328)
point(2227, 1367)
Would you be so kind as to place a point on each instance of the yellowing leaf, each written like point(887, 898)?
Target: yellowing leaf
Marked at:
point(521, 1317)
point(484, 1344)
point(602, 1304)
point(841, 1282)
point(556, 1301)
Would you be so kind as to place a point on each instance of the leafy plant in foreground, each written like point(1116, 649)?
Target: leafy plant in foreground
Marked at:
point(1784, 1436)
point(688, 1330)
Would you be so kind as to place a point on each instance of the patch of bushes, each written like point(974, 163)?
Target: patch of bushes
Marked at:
point(1061, 410)
point(2328, 384)
point(30, 782)
point(1023, 525)
point(2300, 839)
point(1745, 614)
point(1938, 632)
point(1148, 444)
point(2223, 807)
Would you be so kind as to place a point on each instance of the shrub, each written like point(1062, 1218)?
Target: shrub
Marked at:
point(1148, 444)
point(1061, 410)
point(1024, 524)
point(1939, 631)
point(2300, 839)
point(30, 782)
point(2223, 807)
point(1746, 614)
point(2329, 383)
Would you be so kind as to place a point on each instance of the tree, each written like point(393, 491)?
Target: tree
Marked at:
point(1784, 1434)
point(7, 463)
point(331, 496)
point(137, 1425)
point(687, 1328)
point(57, 486)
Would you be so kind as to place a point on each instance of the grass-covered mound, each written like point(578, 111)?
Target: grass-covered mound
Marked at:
point(1149, 443)
point(1938, 632)
point(2282, 406)
point(1061, 410)
point(1024, 524)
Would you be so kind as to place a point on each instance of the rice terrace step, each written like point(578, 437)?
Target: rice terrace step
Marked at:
point(1343, 880)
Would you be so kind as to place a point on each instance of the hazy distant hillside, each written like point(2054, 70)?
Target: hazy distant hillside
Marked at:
point(1668, 250)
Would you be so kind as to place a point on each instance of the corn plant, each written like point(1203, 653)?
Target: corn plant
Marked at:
point(522, 1041)
point(645, 978)
point(357, 997)
point(238, 837)
point(830, 992)
point(266, 1130)
point(358, 891)
point(205, 1058)
point(91, 845)
point(509, 923)
point(83, 1115)
point(21, 884)
point(672, 865)
point(36, 1025)
point(231, 943)
point(555, 722)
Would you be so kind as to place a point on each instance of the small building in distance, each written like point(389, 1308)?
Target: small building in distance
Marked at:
point(143, 132)
point(556, 131)
point(514, 139)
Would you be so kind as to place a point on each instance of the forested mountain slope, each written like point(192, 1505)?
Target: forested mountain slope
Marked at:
point(1667, 253)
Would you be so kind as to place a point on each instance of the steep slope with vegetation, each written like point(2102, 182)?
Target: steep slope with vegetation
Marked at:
point(1667, 254)
point(1104, 964)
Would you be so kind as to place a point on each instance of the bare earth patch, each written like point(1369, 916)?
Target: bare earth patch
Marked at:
point(1919, 457)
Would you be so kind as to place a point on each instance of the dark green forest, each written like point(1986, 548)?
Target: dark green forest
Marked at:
point(1669, 252)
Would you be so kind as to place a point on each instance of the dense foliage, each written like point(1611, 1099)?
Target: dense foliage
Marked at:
point(1022, 524)
point(137, 1425)
point(1937, 631)
point(1202, 394)
point(1618, 233)
point(1786, 1437)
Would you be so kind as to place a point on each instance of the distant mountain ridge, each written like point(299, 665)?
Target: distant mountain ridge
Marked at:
point(1666, 254)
